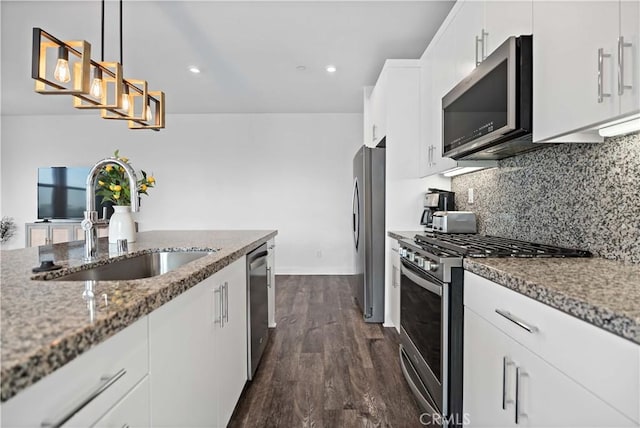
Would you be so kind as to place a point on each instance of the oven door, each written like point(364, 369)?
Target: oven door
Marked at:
point(423, 319)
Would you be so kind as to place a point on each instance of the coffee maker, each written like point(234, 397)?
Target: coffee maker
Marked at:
point(436, 200)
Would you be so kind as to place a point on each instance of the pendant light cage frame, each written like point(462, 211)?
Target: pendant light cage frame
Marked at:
point(78, 49)
point(157, 122)
point(111, 83)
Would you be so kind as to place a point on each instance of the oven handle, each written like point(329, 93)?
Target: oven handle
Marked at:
point(422, 282)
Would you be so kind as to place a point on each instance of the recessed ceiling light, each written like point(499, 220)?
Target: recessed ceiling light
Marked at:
point(331, 68)
point(301, 68)
point(194, 69)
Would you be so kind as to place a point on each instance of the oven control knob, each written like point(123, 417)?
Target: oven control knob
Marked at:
point(410, 256)
point(403, 252)
point(430, 266)
point(420, 261)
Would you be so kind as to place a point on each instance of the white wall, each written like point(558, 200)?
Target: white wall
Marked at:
point(291, 172)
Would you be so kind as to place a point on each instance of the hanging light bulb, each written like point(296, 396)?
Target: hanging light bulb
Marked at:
point(149, 115)
point(125, 98)
point(96, 85)
point(62, 73)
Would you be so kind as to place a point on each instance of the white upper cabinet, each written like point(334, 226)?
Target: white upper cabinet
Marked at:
point(467, 29)
point(629, 89)
point(503, 19)
point(470, 33)
point(480, 27)
point(577, 64)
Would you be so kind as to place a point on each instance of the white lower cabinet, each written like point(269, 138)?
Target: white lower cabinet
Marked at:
point(198, 349)
point(506, 384)
point(131, 412)
point(393, 292)
point(271, 281)
point(107, 372)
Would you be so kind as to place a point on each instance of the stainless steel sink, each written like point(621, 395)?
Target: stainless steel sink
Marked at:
point(138, 267)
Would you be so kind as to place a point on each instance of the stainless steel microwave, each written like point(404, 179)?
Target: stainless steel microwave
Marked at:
point(489, 114)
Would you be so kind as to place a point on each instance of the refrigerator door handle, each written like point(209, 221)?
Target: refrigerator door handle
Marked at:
point(356, 212)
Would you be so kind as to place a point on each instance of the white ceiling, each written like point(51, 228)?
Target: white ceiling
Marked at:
point(248, 51)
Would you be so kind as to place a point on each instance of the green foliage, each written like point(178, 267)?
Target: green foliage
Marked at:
point(113, 184)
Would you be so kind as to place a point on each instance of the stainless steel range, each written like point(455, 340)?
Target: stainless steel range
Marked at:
point(431, 312)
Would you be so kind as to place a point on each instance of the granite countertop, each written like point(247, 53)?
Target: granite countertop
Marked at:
point(604, 293)
point(46, 324)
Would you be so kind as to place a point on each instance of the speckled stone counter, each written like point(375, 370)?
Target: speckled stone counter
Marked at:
point(605, 293)
point(46, 324)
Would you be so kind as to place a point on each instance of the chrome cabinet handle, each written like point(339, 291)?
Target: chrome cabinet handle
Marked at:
point(484, 45)
point(506, 362)
point(601, 57)
point(226, 301)
point(373, 133)
point(218, 319)
point(394, 271)
point(477, 42)
point(269, 276)
point(107, 381)
point(621, 46)
point(519, 413)
point(508, 315)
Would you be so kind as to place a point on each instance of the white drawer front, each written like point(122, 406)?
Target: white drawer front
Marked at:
point(602, 362)
point(57, 395)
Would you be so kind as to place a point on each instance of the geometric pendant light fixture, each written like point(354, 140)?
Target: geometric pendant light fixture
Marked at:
point(66, 68)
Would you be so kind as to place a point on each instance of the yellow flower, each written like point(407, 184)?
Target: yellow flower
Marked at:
point(150, 179)
point(108, 168)
point(121, 169)
point(143, 187)
point(112, 187)
point(100, 182)
point(117, 188)
point(116, 196)
point(124, 159)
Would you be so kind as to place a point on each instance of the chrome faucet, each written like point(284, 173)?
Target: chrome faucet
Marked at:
point(91, 222)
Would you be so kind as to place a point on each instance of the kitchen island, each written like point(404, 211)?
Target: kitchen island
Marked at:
point(46, 324)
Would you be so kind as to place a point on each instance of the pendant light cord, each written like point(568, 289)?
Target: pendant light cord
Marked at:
point(102, 34)
point(120, 32)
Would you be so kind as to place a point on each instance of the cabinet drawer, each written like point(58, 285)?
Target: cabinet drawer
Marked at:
point(63, 392)
point(602, 362)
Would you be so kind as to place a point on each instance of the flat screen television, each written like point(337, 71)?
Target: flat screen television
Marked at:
point(62, 193)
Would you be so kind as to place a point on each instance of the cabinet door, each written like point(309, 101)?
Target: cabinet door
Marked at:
point(542, 395)
point(567, 37)
point(182, 358)
point(132, 411)
point(484, 387)
point(630, 32)
point(379, 111)
point(271, 272)
point(37, 235)
point(231, 340)
point(503, 19)
point(467, 25)
point(442, 61)
point(60, 233)
point(394, 282)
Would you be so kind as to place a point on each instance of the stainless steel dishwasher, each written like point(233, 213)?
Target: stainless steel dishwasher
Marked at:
point(257, 307)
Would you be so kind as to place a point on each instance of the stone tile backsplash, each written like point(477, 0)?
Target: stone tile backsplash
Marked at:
point(584, 196)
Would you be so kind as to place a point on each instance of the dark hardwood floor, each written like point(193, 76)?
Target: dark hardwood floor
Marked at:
point(324, 366)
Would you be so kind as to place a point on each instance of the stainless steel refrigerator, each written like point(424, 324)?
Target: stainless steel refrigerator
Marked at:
point(369, 231)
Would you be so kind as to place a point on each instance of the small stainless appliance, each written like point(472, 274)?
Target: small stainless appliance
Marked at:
point(436, 200)
point(489, 114)
point(369, 231)
point(257, 307)
point(454, 222)
point(431, 314)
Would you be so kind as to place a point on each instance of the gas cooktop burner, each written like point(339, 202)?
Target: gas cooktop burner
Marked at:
point(472, 245)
